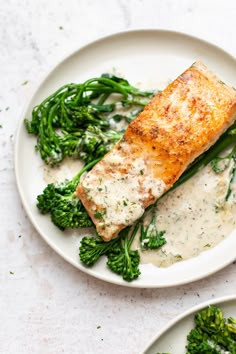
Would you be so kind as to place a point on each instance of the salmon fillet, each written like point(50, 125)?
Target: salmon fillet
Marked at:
point(178, 124)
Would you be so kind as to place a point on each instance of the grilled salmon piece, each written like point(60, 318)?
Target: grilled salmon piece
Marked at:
point(178, 125)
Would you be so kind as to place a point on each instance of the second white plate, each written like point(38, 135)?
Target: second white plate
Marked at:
point(172, 338)
point(152, 57)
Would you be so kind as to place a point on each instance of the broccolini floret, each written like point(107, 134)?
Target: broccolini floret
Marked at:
point(123, 260)
point(213, 333)
point(92, 248)
point(150, 237)
point(66, 209)
point(95, 143)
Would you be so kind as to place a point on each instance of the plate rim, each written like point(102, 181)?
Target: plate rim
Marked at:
point(29, 98)
point(186, 313)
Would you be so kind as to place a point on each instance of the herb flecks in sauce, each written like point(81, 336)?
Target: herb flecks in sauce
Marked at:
point(190, 218)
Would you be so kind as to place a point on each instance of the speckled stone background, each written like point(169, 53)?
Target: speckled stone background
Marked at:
point(46, 305)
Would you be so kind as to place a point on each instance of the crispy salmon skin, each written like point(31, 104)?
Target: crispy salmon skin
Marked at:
point(177, 125)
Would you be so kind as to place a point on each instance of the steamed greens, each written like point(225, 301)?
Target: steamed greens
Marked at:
point(213, 333)
point(75, 120)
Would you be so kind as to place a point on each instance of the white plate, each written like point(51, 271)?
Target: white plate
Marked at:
point(152, 57)
point(172, 338)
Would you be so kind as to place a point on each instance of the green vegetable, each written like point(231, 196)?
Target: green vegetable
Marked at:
point(123, 260)
point(150, 237)
point(95, 143)
point(74, 120)
point(133, 114)
point(213, 334)
point(220, 163)
point(92, 248)
point(60, 201)
point(231, 193)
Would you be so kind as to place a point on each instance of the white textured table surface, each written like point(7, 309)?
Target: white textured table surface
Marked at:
point(46, 305)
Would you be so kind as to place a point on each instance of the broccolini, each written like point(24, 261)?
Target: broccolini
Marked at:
point(92, 248)
point(220, 163)
point(150, 237)
point(123, 260)
point(213, 333)
point(63, 121)
point(67, 211)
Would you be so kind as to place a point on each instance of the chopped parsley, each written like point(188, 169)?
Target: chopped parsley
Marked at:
point(99, 214)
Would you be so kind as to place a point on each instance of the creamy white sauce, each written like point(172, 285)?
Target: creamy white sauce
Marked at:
point(195, 217)
point(120, 197)
point(67, 169)
point(122, 124)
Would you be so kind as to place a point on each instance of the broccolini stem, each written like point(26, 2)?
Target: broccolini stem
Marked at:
point(133, 234)
point(103, 98)
point(225, 140)
point(114, 87)
point(87, 167)
point(60, 91)
point(232, 179)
